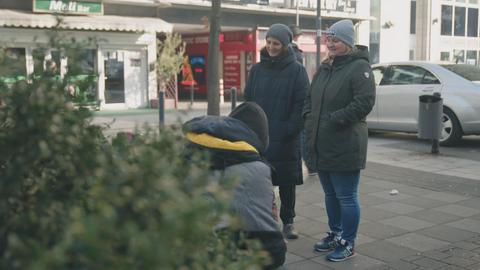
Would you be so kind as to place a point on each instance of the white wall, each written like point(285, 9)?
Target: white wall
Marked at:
point(395, 41)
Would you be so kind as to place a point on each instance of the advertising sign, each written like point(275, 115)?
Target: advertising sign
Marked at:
point(231, 69)
point(68, 7)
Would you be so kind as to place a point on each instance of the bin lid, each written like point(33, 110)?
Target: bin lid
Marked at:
point(429, 98)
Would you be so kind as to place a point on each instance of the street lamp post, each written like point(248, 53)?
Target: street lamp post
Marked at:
point(319, 32)
point(297, 14)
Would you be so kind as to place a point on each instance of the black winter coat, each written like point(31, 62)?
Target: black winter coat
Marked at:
point(279, 86)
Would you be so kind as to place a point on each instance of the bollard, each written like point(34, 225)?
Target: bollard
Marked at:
point(161, 109)
point(192, 88)
point(222, 93)
point(233, 97)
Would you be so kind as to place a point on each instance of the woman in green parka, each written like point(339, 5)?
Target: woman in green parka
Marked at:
point(340, 97)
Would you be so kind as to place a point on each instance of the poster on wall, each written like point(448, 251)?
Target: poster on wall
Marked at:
point(231, 69)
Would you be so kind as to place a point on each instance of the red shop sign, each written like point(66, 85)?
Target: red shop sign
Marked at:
point(231, 69)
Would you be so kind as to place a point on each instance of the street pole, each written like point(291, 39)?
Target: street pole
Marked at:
point(319, 33)
point(161, 109)
point(213, 85)
point(298, 15)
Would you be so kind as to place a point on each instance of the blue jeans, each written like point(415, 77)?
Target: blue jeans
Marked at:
point(341, 201)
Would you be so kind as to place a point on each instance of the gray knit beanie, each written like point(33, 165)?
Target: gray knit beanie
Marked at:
point(280, 32)
point(344, 31)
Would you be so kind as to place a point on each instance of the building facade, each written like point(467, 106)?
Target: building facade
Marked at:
point(436, 30)
point(243, 28)
point(122, 55)
point(119, 50)
point(454, 31)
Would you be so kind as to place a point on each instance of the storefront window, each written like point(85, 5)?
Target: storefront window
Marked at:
point(46, 61)
point(38, 56)
point(460, 21)
point(81, 62)
point(472, 28)
point(13, 66)
point(198, 67)
point(446, 27)
point(81, 75)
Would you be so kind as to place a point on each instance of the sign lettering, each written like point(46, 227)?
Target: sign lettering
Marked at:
point(67, 6)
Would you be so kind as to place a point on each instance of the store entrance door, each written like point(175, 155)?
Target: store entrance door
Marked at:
point(114, 77)
point(125, 79)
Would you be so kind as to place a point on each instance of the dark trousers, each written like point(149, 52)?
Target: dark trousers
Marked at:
point(287, 203)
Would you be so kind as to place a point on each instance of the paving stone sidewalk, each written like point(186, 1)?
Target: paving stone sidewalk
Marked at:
point(433, 222)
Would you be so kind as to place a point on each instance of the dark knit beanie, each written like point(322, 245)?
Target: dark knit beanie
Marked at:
point(344, 31)
point(254, 117)
point(296, 31)
point(280, 32)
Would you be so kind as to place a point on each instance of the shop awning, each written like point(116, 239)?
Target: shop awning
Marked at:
point(16, 18)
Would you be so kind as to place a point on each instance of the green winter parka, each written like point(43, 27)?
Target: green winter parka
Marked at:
point(341, 95)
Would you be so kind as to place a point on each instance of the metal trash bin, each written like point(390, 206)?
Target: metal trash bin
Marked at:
point(430, 116)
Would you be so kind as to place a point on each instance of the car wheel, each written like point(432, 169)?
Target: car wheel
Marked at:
point(451, 130)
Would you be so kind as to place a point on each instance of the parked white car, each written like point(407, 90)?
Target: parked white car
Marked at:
point(400, 84)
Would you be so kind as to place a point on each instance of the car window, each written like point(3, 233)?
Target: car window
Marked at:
point(378, 73)
point(429, 78)
point(405, 74)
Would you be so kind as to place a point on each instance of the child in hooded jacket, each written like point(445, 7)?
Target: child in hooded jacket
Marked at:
point(237, 144)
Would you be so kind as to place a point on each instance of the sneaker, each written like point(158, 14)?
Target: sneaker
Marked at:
point(289, 231)
point(343, 251)
point(328, 243)
point(312, 174)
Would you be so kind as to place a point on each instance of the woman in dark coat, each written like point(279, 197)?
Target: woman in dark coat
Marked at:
point(341, 96)
point(279, 84)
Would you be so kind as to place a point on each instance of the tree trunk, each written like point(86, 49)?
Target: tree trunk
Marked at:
point(213, 95)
